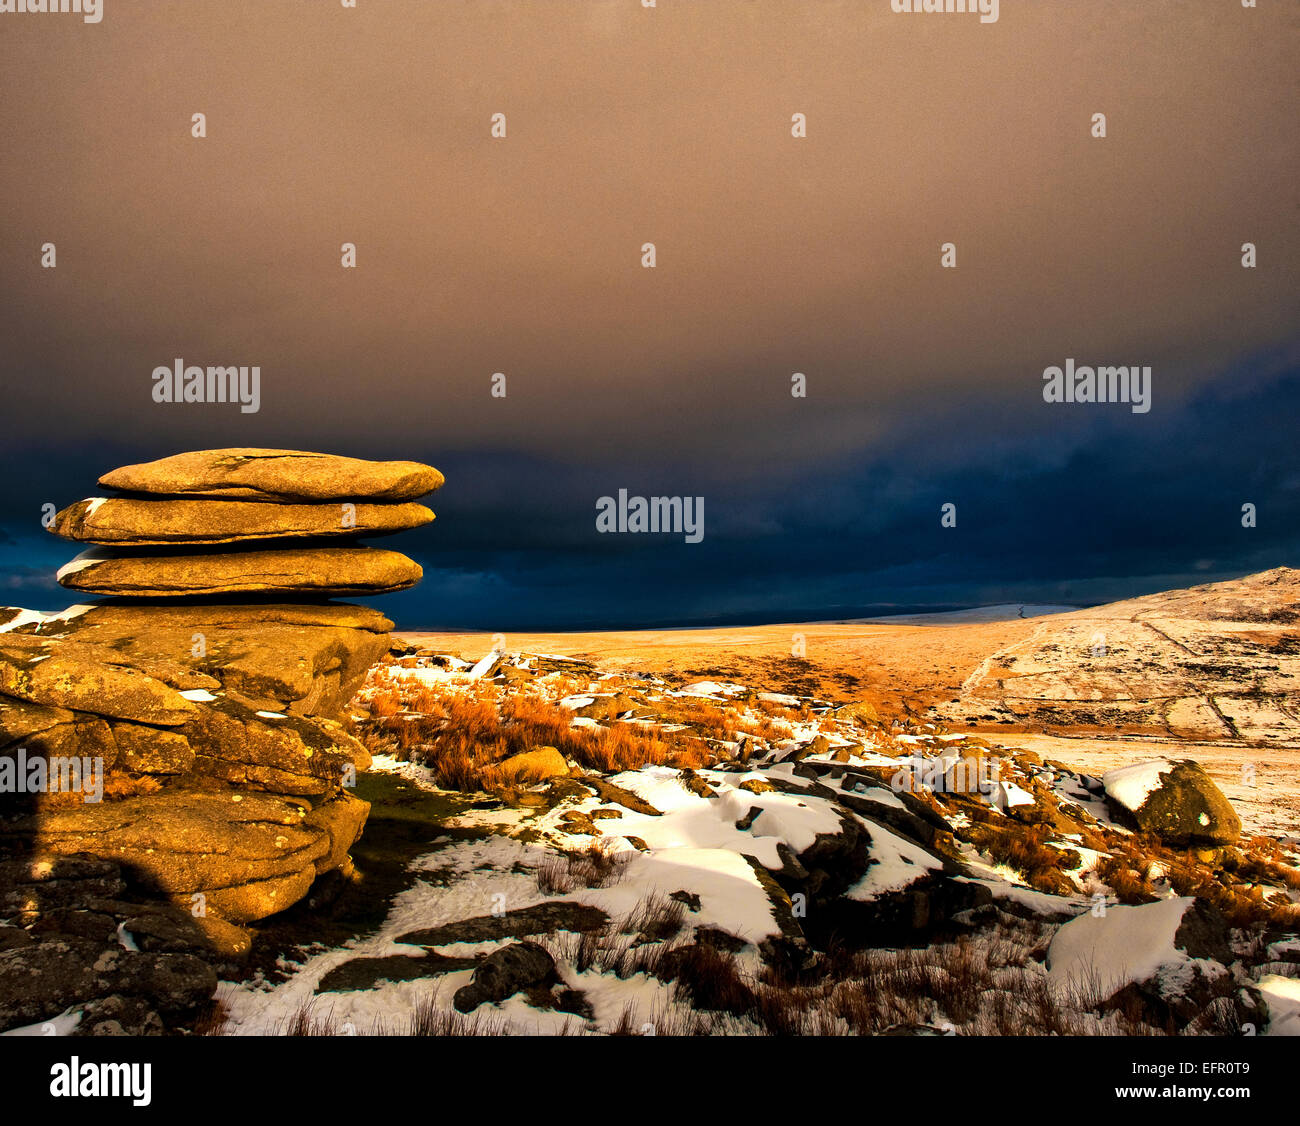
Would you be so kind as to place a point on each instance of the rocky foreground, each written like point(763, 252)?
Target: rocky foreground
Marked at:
point(638, 854)
point(173, 769)
point(553, 845)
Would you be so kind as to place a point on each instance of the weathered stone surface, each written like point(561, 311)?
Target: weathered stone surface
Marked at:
point(41, 980)
point(11, 938)
point(319, 571)
point(62, 677)
point(164, 929)
point(1186, 809)
point(342, 820)
point(85, 737)
point(279, 475)
point(159, 665)
point(308, 659)
point(130, 521)
point(310, 756)
point(117, 1015)
point(149, 750)
point(19, 719)
point(45, 882)
point(250, 854)
point(1212, 662)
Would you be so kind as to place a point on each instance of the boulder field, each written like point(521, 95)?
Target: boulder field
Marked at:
point(181, 761)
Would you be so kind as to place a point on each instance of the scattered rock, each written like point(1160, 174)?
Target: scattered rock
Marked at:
point(536, 765)
point(543, 918)
point(370, 973)
point(507, 971)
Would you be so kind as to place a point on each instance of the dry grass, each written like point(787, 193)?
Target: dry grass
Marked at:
point(1238, 885)
point(462, 735)
point(595, 867)
point(1130, 884)
point(1024, 848)
point(428, 1018)
point(657, 918)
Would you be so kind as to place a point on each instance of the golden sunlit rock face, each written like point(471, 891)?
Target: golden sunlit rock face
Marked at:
point(205, 757)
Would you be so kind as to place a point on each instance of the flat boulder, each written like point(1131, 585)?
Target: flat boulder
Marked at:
point(306, 659)
point(111, 621)
point(134, 521)
point(314, 571)
point(276, 475)
point(249, 854)
point(68, 678)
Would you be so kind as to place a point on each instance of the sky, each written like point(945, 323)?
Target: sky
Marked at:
point(774, 254)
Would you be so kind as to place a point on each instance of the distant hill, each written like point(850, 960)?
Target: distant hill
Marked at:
point(1219, 661)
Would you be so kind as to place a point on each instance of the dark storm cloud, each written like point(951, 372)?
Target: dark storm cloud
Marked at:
point(776, 255)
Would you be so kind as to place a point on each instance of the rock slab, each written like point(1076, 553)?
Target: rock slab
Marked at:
point(276, 475)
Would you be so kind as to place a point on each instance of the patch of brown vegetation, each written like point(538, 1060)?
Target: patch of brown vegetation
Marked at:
point(462, 736)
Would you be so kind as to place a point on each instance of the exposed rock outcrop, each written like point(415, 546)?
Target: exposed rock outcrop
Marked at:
point(211, 732)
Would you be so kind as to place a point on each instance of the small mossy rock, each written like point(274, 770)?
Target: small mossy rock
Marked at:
point(757, 785)
point(860, 711)
point(505, 972)
point(1188, 809)
point(537, 765)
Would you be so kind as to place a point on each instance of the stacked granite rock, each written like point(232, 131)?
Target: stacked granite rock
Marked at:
point(234, 498)
point(228, 771)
